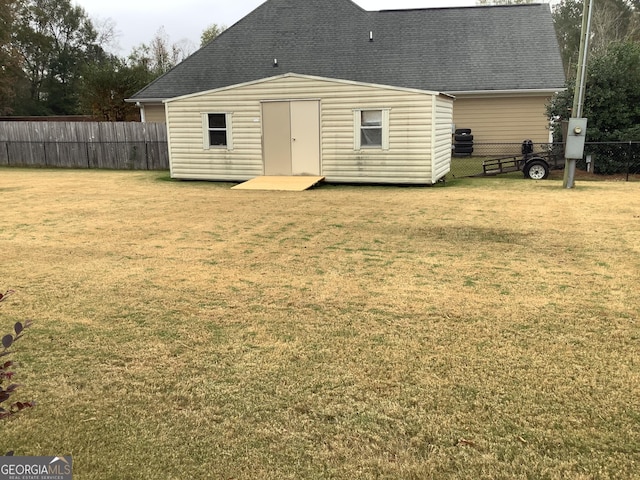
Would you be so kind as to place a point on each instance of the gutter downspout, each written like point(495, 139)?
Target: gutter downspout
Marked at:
point(143, 118)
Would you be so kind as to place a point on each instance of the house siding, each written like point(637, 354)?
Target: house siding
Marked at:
point(154, 113)
point(503, 119)
point(411, 142)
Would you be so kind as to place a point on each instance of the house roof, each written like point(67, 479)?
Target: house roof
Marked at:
point(497, 48)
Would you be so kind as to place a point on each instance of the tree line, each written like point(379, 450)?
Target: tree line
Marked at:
point(54, 60)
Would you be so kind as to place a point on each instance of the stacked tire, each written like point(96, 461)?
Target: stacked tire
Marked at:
point(462, 142)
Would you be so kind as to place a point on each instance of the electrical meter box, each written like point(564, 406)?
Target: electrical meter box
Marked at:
point(576, 134)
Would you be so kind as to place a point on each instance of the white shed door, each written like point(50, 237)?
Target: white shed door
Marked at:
point(291, 137)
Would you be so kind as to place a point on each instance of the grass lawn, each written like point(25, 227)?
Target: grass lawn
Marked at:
point(466, 167)
point(484, 329)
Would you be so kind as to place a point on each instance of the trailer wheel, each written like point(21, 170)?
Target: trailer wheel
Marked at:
point(536, 170)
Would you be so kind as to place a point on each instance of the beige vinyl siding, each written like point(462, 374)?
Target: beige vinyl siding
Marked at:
point(154, 113)
point(189, 158)
point(441, 155)
point(408, 159)
point(503, 119)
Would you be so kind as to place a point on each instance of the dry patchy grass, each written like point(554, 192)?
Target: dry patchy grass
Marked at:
point(484, 329)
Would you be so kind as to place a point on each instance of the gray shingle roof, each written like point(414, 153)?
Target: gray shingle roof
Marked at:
point(441, 49)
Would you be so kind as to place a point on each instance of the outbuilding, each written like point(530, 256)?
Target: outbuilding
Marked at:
point(293, 124)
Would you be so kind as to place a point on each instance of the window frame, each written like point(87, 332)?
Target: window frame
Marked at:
point(358, 127)
point(207, 129)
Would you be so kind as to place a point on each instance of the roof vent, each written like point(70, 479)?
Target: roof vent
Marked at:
point(275, 62)
point(370, 35)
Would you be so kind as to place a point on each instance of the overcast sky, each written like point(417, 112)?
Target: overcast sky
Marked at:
point(137, 21)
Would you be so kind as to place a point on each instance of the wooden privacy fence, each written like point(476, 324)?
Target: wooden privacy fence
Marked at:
point(109, 145)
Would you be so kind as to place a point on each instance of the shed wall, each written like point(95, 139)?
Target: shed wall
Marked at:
point(441, 155)
point(503, 119)
point(408, 159)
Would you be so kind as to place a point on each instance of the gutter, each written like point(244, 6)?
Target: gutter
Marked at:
point(509, 92)
point(138, 101)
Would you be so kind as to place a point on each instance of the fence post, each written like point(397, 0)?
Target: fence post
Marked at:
point(628, 160)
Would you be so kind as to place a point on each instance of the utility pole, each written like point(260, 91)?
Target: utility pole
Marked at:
point(578, 97)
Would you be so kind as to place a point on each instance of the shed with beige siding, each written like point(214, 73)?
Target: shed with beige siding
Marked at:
point(296, 124)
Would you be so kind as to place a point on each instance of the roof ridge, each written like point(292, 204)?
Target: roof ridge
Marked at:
point(459, 7)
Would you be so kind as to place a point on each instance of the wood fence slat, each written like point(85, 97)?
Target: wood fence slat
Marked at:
point(4, 153)
point(71, 152)
point(79, 135)
point(107, 147)
point(122, 152)
point(92, 137)
point(136, 146)
point(33, 151)
point(157, 150)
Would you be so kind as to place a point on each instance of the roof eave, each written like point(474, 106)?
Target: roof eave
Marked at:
point(527, 91)
point(309, 77)
point(144, 100)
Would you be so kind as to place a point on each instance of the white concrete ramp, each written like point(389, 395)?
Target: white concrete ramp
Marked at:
point(296, 183)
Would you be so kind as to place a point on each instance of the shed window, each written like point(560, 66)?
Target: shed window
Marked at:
point(217, 130)
point(371, 129)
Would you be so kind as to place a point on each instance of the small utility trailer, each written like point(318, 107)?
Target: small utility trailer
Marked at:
point(533, 165)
